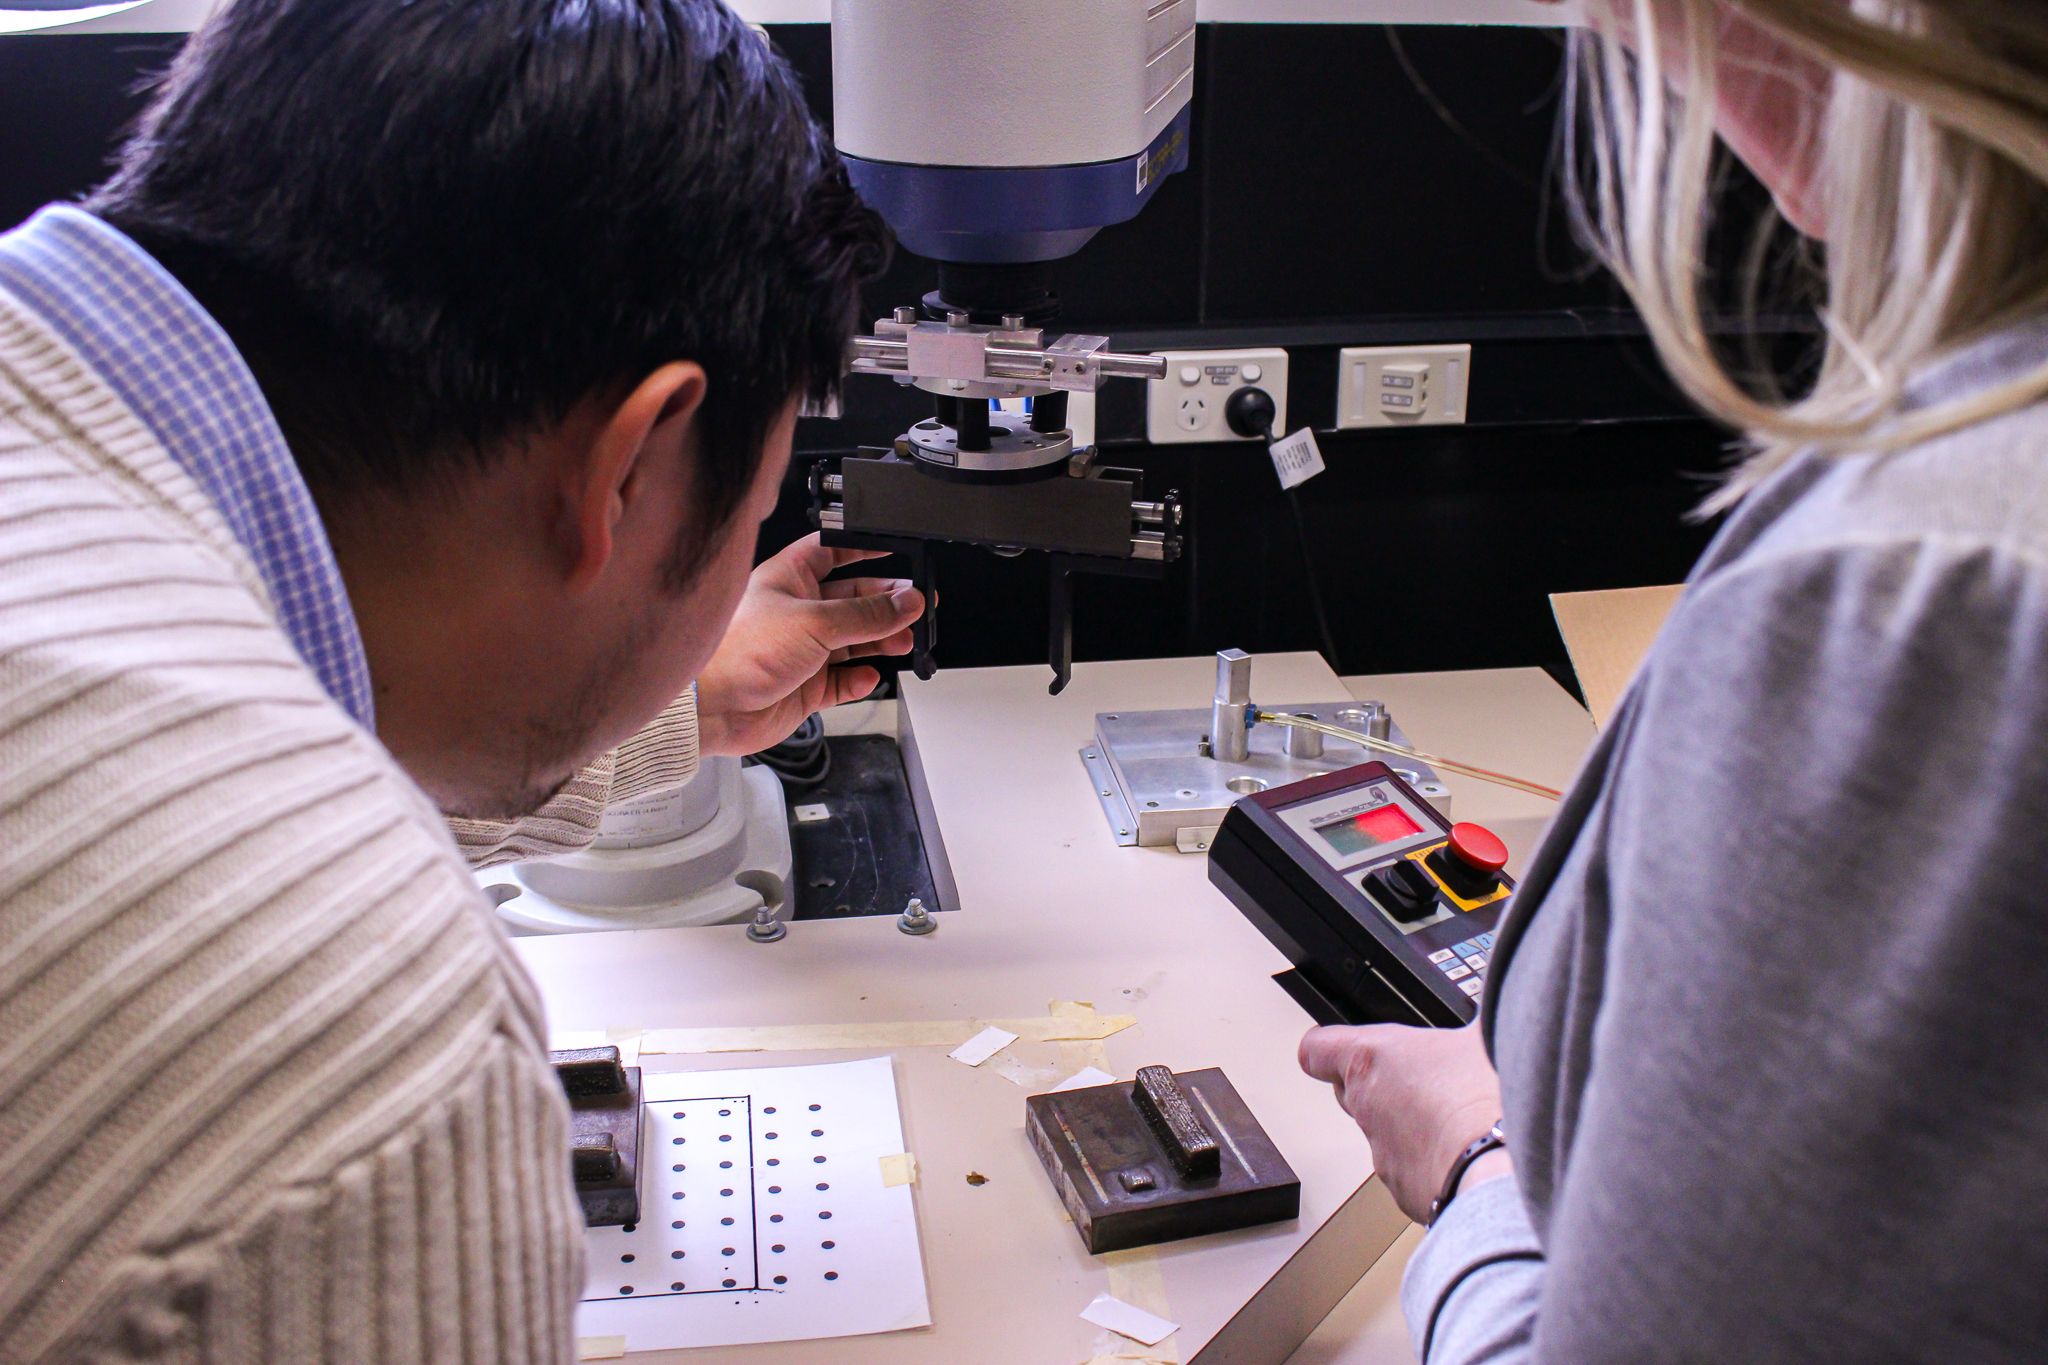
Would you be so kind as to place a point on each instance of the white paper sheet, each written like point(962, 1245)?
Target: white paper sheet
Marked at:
point(763, 1213)
point(1086, 1078)
point(1128, 1320)
point(983, 1046)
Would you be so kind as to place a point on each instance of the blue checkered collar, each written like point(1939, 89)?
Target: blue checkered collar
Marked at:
point(149, 339)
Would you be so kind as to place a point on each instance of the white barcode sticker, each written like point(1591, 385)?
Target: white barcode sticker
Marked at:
point(1297, 458)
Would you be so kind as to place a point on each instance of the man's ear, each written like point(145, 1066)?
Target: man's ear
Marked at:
point(613, 471)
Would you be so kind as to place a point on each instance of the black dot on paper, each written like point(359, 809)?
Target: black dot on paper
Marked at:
point(776, 1247)
point(774, 1217)
point(628, 1257)
point(769, 1110)
point(675, 1255)
point(678, 1223)
point(726, 1252)
point(725, 1137)
point(817, 1161)
point(831, 1274)
point(774, 1161)
point(628, 1228)
point(725, 1165)
point(677, 1167)
point(676, 1142)
point(782, 1279)
point(816, 1107)
point(625, 1289)
point(774, 1135)
point(726, 1221)
point(824, 1185)
point(730, 1283)
point(677, 1195)
point(677, 1286)
point(828, 1244)
point(725, 1113)
point(825, 1213)
point(817, 1132)
point(775, 1189)
point(679, 1113)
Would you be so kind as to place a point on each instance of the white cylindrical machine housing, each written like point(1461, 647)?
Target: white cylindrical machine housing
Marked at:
point(1007, 83)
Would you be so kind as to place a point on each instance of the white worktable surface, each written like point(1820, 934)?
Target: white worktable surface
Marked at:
point(1050, 909)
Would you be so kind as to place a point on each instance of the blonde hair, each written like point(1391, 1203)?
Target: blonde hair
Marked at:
point(1933, 177)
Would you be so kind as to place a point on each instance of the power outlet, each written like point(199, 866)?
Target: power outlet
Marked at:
point(1187, 405)
point(1402, 386)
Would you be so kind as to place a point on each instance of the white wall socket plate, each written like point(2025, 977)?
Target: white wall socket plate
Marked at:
point(1187, 406)
point(1403, 386)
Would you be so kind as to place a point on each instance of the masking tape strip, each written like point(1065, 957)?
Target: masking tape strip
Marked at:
point(900, 1169)
point(600, 1348)
point(1078, 1024)
point(1135, 1277)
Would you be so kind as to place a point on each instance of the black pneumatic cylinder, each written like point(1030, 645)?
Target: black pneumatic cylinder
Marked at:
point(973, 424)
point(1049, 413)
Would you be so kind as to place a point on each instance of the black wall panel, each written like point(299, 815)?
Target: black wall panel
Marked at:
point(1329, 202)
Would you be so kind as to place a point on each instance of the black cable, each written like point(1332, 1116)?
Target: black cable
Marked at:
point(1315, 590)
point(1248, 412)
point(802, 760)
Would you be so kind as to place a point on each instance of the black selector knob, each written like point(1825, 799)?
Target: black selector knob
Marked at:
point(1404, 889)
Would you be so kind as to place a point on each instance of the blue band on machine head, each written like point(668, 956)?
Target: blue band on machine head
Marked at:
point(1008, 215)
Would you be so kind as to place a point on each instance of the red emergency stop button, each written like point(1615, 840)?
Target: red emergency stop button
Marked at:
point(1478, 848)
point(1470, 863)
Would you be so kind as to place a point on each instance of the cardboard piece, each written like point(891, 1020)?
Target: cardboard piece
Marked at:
point(1607, 634)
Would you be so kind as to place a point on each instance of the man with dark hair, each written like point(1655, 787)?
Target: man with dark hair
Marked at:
point(383, 443)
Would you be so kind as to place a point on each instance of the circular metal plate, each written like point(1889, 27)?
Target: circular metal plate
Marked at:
point(1013, 445)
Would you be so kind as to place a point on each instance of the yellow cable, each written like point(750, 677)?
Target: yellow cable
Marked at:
point(1401, 751)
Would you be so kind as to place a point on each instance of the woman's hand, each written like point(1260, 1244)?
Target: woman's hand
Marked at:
point(1420, 1095)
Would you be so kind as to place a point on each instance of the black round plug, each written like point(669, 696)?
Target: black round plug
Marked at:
point(1251, 412)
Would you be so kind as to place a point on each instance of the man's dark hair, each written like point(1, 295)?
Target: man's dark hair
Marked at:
point(433, 226)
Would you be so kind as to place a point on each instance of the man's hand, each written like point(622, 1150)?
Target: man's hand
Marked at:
point(784, 656)
point(1419, 1094)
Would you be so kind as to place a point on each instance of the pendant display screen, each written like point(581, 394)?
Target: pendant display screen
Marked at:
point(1368, 829)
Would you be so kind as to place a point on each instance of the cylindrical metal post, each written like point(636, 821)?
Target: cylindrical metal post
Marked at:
point(1303, 742)
point(1229, 735)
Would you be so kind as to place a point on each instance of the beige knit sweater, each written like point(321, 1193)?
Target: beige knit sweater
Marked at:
point(272, 1085)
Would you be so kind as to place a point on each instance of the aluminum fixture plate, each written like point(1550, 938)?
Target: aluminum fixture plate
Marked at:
point(1159, 790)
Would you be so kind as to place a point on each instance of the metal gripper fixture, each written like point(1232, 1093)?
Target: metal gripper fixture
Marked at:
point(971, 475)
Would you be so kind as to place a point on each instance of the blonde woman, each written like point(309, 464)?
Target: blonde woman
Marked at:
point(1767, 1016)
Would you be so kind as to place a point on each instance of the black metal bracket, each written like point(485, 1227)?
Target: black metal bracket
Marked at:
point(981, 514)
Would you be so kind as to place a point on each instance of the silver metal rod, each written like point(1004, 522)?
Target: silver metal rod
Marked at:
point(1148, 545)
point(831, 518)
point(835, 483)
point(890, 355)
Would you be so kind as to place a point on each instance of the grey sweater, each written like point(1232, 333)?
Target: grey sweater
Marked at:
point(1768, 1011)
